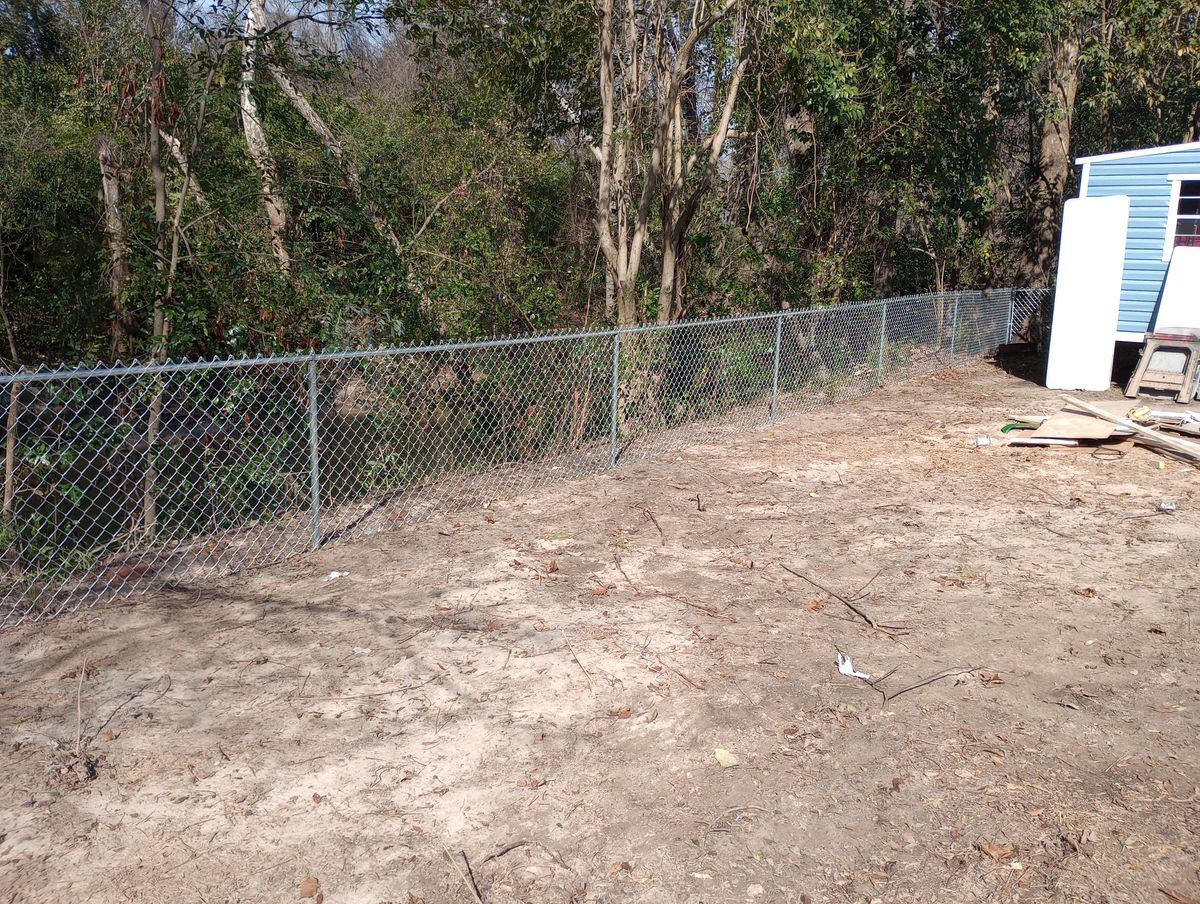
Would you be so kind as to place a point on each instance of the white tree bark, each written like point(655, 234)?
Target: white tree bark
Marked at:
point(180, 158)
point(256, 137)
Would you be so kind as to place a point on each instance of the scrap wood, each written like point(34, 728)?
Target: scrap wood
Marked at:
point(1182, 447)
point(1041, 441)
point(894, 630)
point(1068, 424)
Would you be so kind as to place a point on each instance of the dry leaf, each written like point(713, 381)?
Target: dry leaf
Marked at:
point(990, 677)
point(1089, 592)
point(622, 867)
point(998, 851)
point(601, 590)
point(621, 713)
point(316, 798)
point(816, 604)
point(552, 567)
point(309, 886)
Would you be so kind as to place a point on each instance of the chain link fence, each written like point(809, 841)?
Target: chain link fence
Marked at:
point(126, 479)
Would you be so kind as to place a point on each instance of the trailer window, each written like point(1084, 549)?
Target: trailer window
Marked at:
point(1187, 214)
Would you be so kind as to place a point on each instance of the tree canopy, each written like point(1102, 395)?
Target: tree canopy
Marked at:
point(210, 179)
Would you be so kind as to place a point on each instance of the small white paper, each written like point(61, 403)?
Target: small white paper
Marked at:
point(846, 667)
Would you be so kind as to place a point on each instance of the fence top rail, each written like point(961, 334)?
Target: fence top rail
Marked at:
point(139, 369)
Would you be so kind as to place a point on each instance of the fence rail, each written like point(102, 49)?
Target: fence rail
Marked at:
point(129, 478)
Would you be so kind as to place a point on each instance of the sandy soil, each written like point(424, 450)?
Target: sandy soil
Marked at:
point(542, 685)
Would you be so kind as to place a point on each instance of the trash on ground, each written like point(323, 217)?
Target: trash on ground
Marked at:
point(725, 758)
point(846, 667)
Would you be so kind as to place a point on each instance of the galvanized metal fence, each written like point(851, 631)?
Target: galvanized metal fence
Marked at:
point(130, 478)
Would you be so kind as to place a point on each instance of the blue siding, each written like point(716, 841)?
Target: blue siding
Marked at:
point(1144, 180)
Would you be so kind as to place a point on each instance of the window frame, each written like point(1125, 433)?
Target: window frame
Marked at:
point(1177, 180)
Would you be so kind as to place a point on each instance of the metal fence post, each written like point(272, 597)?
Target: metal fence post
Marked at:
point(954, 324)
point(314, 457)
point(882, 343)
point(1012, 314)
point(616, 383)
point(775, 369)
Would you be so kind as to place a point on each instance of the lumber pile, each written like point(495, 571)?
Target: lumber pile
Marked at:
point(1111, 424)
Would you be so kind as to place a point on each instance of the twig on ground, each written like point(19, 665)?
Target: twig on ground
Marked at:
point(894, 630)
point(713, 826)
point(471, 876)
point(888, 696)
point(858, 594)
point(469, 883)
point(621, 568)
point(649, 514)
point(395, 690)
point(79, 711)
point(119, 707)
point(575, 656)
point(710, 611)
point(508, 848)
point(686, 679)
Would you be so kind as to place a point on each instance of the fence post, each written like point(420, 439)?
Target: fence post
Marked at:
point(314, 458)
point(954, 324)
point(882, 343)
point(616, 383)
point(775, 369)
point(1012, 313)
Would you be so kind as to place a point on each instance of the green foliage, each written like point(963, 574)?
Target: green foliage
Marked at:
point(879, 148)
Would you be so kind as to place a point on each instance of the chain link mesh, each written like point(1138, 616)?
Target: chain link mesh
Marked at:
point(127, 479)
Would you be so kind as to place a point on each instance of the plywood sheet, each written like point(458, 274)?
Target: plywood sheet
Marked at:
point(1179, 307)
point(1070, 423)
point(1088, 294)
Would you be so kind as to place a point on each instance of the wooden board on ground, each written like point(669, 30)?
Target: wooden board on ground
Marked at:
point(1073, 423)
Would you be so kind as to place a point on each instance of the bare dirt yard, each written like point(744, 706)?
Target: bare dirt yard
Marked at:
point(525, 703)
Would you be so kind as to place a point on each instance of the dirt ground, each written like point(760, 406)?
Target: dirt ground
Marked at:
point(542, 686)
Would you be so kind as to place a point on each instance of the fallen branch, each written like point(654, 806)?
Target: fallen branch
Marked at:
point(894, 630)
point(888, 696)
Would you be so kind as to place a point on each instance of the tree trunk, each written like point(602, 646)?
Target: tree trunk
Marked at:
point(14, 395)
point(1054, 162)
point(256, 137)
point(154, 25)
point(118, 250)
